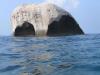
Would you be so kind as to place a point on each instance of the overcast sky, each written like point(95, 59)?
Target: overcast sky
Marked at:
point(86, 13)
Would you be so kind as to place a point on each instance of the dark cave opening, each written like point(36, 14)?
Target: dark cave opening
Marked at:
point(27, 29)
point(65, 26)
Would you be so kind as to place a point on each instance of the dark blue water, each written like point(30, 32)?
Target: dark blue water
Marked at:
point(66, 55)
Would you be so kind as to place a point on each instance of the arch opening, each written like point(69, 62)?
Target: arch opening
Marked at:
point(65, 26)
point(27, 29)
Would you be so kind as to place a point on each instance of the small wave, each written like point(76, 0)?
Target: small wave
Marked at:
point(10, 68)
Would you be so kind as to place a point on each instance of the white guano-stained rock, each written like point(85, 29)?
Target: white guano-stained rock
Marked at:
point(40, 16)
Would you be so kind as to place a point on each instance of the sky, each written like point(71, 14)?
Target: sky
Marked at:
point(85, 12)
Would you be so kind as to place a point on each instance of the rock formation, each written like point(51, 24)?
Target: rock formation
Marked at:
point(43, 20)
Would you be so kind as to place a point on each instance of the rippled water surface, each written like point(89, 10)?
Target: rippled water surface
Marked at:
point(66, 55)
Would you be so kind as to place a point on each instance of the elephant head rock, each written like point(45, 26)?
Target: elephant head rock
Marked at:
point(43, 20)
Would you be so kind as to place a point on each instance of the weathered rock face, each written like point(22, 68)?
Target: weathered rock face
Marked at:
point(43, 19)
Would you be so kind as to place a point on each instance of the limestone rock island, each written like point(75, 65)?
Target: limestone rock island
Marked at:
point(43, 20)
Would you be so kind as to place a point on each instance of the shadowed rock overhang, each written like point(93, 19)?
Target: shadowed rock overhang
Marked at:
point(65, 26)
point(26, 29)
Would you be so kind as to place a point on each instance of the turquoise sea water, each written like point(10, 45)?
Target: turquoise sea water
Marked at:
point(66, 55)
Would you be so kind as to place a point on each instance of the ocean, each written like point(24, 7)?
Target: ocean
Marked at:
point(64, 55)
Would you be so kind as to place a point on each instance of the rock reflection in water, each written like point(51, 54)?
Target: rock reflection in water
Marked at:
point(32, 47)
point(46, 69)
point(40, 70)
point(36, 58)
point(43, 69)
point(44, 57)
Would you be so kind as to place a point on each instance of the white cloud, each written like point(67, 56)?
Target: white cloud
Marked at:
point(73, 3)
point(67, 4)
point(57, 2)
